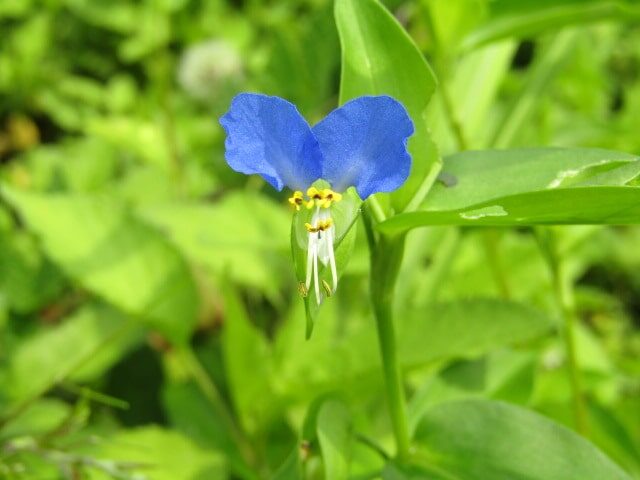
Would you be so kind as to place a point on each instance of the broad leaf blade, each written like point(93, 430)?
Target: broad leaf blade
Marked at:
point(465, 329)
point(485, 440)
point(530, 187)
point(567, 206)
point(98, 243)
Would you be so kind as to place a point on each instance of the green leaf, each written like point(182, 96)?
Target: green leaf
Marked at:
point(243, 236)
point(161, 455)
point(291, 468)
point(379, 58)
point(528, 18)
point(40, 417)
point(54, 354)
point(486, 440)
point(572, 206)
point(529, 187)
point(190, 412)
point(489, 174)
point(334, 435)
point(246, 355)
point(97, 242)
point(466, 328)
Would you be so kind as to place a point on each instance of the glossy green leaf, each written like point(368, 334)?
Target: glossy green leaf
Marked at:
point(572, 206)
point(529, 187)
point(485, 440)
point(485, 175)
point(98, 243)
point(379, 57)
point(466, 328)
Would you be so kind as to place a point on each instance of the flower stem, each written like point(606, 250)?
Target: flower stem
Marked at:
point(393, 377)
point(386, 257)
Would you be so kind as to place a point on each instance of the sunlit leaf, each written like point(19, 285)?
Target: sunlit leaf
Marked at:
point(98, 243)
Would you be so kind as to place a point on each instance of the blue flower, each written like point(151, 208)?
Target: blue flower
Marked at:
point(361, 144)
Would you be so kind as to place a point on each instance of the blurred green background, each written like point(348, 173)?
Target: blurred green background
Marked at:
point(150, 323)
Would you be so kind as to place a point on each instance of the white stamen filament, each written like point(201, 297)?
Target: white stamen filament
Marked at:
point(310, 250)
point(315, 266)
point(320, 247)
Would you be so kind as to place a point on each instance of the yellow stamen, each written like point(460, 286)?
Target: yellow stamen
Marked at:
point(316, 198)
point(320, 227)
point(296, 199)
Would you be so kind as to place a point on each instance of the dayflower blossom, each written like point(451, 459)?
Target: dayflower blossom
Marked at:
point(362, 144)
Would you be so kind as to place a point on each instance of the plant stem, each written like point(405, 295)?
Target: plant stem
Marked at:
point(563, 291)
point(393, 377)
point(386, 257)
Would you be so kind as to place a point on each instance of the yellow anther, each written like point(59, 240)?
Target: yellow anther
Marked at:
point(328, 197)
point(314, 194)
point(322, 198)
point(296, 199)
point(321, 226)
point(327, 288)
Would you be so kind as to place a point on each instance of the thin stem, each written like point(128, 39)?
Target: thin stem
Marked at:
point(393, 378)
point(386, 257)
point(563, 290)
point(376, 209)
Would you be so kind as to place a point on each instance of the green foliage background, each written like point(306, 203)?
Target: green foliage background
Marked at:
point(150, 320)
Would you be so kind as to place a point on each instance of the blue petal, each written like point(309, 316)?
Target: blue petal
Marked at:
point(268, 136)
point(364, 144)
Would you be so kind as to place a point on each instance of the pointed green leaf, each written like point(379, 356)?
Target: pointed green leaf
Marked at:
point(487, 440)
point(108, 251)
